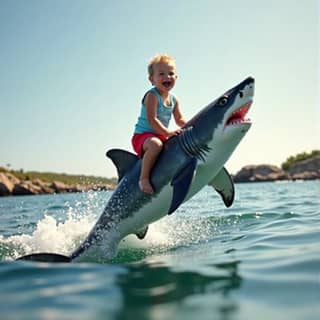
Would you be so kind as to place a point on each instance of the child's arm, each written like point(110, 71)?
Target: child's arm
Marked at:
point(178, 116)
point(151, 103)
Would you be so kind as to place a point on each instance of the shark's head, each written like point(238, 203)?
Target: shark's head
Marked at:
point(221, 125)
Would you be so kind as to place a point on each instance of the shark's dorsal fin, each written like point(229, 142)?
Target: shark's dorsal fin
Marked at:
point(181, 184)
point(123, 160)
point(142, 233)
point(223, 184)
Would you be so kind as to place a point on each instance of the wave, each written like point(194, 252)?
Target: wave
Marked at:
point(50, 235)
point(187, 227)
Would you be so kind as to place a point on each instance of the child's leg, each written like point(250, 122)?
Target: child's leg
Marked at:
point(151, 147)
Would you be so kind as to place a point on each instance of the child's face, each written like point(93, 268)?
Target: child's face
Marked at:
point(164, 76)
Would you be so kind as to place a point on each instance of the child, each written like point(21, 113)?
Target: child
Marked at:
point(158, 105)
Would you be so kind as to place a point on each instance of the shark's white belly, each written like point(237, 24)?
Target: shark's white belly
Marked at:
point(159, 206)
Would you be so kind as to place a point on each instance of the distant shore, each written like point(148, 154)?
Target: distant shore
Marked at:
point(10, 184)
point(308, 169)
point(19, 183)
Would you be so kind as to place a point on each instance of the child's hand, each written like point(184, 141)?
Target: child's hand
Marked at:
point(174, 133)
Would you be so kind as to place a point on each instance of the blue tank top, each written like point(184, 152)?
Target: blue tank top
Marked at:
point(164, 113)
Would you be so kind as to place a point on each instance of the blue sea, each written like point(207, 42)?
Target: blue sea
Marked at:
point(259, 259)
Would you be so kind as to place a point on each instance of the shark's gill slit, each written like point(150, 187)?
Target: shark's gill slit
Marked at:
point(190, 146)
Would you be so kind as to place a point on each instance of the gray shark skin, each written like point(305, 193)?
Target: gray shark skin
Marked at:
point(187, 163)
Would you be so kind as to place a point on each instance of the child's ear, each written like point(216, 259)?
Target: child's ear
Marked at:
point(151, 79)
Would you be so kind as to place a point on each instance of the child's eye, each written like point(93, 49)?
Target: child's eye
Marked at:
point(171, 73)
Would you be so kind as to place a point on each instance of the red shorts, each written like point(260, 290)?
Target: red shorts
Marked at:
point(138, 140)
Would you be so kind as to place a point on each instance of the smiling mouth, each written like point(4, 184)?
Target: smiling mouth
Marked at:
point(238, 116)
point(166, 84)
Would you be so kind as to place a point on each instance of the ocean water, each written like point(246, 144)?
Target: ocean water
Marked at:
point(259, 259)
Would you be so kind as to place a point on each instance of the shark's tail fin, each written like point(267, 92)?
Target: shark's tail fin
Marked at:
point(46, 257)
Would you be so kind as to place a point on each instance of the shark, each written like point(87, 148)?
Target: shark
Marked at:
point(189, 161)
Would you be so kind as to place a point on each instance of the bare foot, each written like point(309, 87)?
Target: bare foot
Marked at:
point(146, 186)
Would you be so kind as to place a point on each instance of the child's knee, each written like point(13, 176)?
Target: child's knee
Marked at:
point(155, 144)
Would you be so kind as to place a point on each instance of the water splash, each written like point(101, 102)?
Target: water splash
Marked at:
point(63, 227)
point(50, 235)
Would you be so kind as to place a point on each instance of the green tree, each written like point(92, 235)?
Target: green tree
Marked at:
point(299, 157)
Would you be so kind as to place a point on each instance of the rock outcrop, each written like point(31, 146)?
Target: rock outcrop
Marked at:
point(303, 170)
point(306, 170)
point(6, 184)
point(260, 173)
point(10, 185)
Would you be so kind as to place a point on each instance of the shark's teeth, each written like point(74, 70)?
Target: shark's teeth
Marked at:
point(237, 116)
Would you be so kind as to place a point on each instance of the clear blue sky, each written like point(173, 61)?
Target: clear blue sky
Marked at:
point(72, 75)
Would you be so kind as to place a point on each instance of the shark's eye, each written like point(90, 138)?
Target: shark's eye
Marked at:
point(223, 101)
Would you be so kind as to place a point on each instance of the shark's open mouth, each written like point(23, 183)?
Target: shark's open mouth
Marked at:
point(238, 116)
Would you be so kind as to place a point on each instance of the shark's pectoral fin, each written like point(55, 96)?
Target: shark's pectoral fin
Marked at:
point(181, 184)
point(123, 160)
point(142, 233)
point(223, 184)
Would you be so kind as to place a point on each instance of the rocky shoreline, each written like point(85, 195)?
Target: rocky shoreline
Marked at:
point(304, 170)
point(11, 185)
point(308, 169)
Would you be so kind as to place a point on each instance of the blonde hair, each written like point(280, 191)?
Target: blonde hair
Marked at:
point(160, 58)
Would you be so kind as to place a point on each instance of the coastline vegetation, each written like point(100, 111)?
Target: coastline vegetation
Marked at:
point(299, 157)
